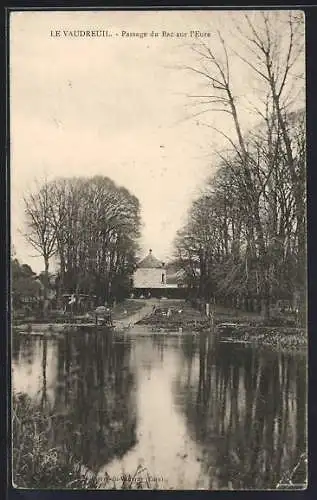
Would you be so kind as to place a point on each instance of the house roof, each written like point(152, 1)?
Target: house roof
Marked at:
point(150, 262)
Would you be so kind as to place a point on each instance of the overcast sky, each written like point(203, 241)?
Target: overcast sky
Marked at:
point(116, 106)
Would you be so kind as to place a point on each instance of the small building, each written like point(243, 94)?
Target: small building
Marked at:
point(152, 278)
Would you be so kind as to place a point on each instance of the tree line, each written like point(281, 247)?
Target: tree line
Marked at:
point(90, 226)
point(244, 243)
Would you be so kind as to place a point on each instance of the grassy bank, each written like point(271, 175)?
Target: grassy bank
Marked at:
point(127, 308)
point(276, 332)
point(35, 463)
point(38, 465)
point(275, 337)
point(120, 311)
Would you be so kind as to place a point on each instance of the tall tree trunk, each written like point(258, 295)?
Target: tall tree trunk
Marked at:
point(46, 286)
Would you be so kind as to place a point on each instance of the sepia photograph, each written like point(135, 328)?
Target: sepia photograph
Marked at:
point(158, 249)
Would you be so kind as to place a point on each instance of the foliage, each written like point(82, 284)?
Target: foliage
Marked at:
point(245, 235)
point(93, 226)
point(23, 283)
point(35, 464)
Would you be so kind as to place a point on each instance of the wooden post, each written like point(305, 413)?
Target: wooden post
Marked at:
point(207, 309)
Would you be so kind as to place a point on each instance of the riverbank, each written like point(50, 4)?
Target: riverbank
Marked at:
point(179, 316)
point(274, 337)
point(124, 314)
point(230, 326)
point(38, 465)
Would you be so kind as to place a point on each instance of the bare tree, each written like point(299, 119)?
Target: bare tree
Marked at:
point(41, 233)
point(279, 53)
point(258, 162)
point(95, 227)
point(218, 74)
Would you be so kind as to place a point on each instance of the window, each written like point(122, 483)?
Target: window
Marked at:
point(163, 278)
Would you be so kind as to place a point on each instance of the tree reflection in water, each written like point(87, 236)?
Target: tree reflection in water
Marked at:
point(244, 408)
point(23, 349)
point(93, 410)
point(95, 398)
point(159, 343)
point(15, 346)
point(247, 408)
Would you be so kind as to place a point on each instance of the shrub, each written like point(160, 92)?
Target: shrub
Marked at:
point(35, 463)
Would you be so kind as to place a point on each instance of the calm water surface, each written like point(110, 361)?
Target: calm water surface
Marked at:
point(193, 414)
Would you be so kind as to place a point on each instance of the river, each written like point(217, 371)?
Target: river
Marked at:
point(179, 412)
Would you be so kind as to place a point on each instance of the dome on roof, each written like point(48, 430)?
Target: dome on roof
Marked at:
point(150, 262)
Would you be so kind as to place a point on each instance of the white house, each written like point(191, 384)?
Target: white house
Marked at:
point(152, 278)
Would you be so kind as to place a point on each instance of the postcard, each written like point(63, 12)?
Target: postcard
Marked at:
point(158, 262)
